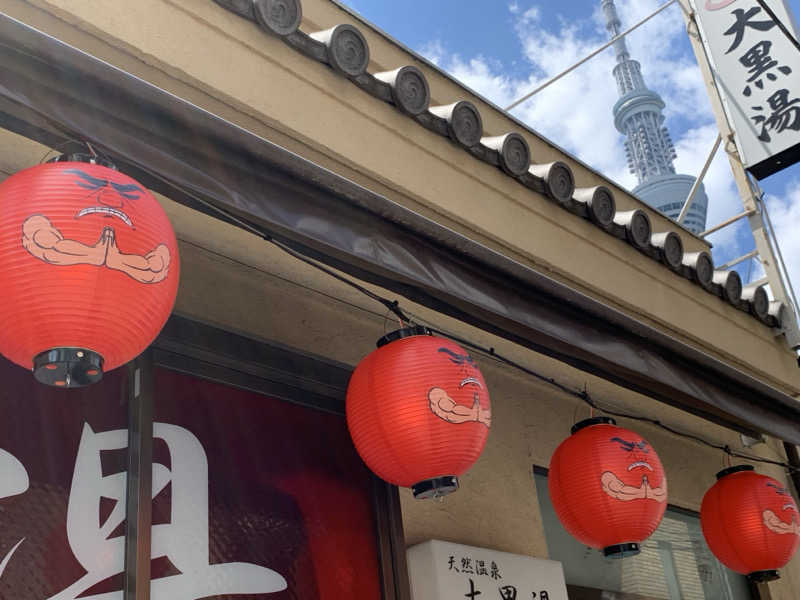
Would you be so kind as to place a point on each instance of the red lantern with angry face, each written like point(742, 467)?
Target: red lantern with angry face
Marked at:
point(607, 486)
point(418, 411)
point(750, 522)
point(88, 268)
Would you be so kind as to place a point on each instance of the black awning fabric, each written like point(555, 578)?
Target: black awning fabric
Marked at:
point(54, 93)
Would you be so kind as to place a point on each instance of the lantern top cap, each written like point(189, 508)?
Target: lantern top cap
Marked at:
point(84, 158)
point(735, 469)
point(403, 333)
point(593, 421)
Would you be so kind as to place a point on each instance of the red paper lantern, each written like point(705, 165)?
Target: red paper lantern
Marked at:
point(418, 411)
point(88, 268)
point(607, 486)
point(750, 522)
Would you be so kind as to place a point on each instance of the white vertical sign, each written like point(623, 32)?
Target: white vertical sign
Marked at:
point(444, 571)
point(757, 72)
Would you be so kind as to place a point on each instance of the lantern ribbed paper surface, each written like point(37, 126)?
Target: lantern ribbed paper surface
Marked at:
point(418, 412)
point(88, 262)
point(750, 522)
point(607, 486)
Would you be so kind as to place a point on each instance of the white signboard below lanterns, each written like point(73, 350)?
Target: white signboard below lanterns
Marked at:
point(445, 571)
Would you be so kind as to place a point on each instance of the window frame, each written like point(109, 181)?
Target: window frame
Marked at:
point(754, 588)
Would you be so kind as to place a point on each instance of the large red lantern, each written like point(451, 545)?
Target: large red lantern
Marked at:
point(750, 522)
point(88, 268)
point(418, 411)
point(607, 486)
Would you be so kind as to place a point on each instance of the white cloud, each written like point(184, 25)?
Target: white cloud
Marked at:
point(784, 214)
point(575, 112)
point(692, 148)
point(530, 15)
point(435, 52)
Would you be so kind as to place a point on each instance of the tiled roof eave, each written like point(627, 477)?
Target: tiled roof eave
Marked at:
point(344, 49)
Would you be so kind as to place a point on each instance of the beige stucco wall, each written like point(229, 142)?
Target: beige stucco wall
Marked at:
point(226, 64)
point(234, 279)
point(225, 270)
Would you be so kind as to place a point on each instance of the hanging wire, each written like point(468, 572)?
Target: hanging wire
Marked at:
point(586, 397)
point(403, 317)
point(780, 25)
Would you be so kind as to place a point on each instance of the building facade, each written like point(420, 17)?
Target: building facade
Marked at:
point(648, 146)
point(281, 141)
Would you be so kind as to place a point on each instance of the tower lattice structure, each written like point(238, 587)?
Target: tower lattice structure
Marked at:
point(638, 115)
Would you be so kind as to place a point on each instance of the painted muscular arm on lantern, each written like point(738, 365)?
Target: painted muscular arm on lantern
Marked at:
point(774, 523)
point(150, 268)
point(658, 494)
point(41, 239)
point(444, 407)
point(616, 488)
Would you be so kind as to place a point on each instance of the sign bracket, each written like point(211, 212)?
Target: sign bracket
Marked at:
point(750, 195)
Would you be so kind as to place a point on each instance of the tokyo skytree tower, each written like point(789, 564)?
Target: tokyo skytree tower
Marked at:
point(648, 146)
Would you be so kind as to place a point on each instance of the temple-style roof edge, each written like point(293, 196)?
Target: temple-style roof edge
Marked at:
point(53, 93)
point(345, 50)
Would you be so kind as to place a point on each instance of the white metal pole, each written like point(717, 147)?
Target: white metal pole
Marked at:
point(592, 55)
point(697, 182)
point(774, 242)
point(736, 261)
point(725, 223)
point(749, 198)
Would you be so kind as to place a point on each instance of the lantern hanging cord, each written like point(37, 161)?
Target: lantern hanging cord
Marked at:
point(391, 305)
point(586, 397)
point(394, 307)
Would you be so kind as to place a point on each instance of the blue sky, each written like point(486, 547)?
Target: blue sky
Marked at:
point(504, 48)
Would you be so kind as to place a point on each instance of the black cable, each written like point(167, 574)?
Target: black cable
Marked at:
point(780, 25)
point(586, 397)
point(394, 306)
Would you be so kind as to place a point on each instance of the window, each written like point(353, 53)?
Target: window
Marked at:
point(675, 562)
point(257, 488)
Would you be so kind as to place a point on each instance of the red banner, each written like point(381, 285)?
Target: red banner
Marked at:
point(254, 498)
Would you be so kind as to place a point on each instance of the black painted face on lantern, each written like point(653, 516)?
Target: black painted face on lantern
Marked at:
point(781, 516)
point(467, 364)
point(110, 197)
point(635, 448)
point(781, 491)
point(632, 473)
point(778, 489)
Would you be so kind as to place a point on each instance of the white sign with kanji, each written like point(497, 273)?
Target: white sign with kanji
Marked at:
point(446, 571)
point(757, 72)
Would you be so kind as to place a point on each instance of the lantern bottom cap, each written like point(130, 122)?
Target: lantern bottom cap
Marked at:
point(435, 487)
point(68, 367)
point(763, 576)
point(621, 550)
